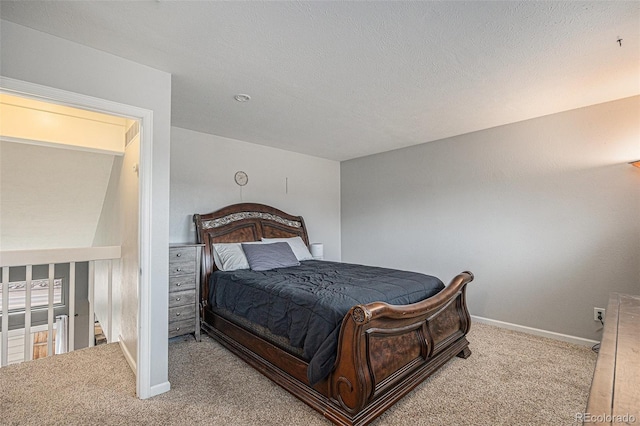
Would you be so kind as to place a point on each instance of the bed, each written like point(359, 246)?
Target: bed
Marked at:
point(382, 351)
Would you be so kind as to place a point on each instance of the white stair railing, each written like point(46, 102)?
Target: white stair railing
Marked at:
point(62, 335)
point(52, 257)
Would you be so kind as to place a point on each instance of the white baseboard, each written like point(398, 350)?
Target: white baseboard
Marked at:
point(536, 331)
point(153, 390)
point(127, 355)
point(159, 388)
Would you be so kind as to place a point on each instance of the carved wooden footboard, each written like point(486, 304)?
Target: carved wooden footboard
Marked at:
point(384, 351)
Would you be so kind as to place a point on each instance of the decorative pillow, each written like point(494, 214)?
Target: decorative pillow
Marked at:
point(297, 245)
point(229, 257)
point(263, 257)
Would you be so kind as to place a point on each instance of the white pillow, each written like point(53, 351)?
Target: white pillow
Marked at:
point(229, 257)
point(297, 246)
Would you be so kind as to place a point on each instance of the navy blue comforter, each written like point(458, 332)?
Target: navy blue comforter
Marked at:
point(306, 303)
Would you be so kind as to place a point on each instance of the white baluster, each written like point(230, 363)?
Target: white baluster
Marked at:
point(50, 311)
point(4, 356)
point(72, 306)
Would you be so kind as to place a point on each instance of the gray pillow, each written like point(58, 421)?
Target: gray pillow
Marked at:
point(263, 257)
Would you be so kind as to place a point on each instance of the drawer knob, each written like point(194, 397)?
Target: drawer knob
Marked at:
point(177, 328)
point(179, 284)
point(179, 254)
point(178, 269)
point(177, 299)
point(177, 314)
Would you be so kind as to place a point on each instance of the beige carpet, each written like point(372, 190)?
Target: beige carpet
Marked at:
point(510, 379)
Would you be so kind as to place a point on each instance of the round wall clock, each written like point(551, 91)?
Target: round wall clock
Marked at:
point(241, 178)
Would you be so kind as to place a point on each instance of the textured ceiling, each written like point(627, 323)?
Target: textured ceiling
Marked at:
point(341, 80)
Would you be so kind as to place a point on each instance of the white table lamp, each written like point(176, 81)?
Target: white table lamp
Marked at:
point(317, 251)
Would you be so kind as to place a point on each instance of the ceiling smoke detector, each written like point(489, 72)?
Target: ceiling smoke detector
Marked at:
point(242, 98)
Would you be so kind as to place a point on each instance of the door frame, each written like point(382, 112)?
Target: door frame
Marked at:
point(142, 365)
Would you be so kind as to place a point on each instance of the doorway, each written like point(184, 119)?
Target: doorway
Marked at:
point(135, 332)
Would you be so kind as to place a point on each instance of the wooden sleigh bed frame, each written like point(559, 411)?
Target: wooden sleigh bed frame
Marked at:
point(384, 351)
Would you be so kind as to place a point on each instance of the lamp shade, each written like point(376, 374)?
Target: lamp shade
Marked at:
point(317, 250)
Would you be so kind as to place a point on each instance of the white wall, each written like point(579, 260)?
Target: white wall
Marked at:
point(40, 187)
point(202, 180)
point(108, 232)
point(545, 213)
point(118, 225)
point(129, 265)
point(40, 58)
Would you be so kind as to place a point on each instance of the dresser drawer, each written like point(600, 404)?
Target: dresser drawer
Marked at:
point(181, 267)
point(182, 312)
point(183, 282)
point(186, 254)
point(180, 298)
point(179, 328)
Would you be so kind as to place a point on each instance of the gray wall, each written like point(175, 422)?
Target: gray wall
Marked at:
point(202, 180)
point(545, 213)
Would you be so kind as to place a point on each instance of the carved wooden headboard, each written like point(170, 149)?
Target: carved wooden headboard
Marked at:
point(243, 222)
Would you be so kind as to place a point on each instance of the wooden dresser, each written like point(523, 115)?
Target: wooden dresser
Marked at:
point(615, 389)
point(184, 289)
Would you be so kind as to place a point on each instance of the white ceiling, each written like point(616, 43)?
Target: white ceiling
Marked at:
point(341, 80)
